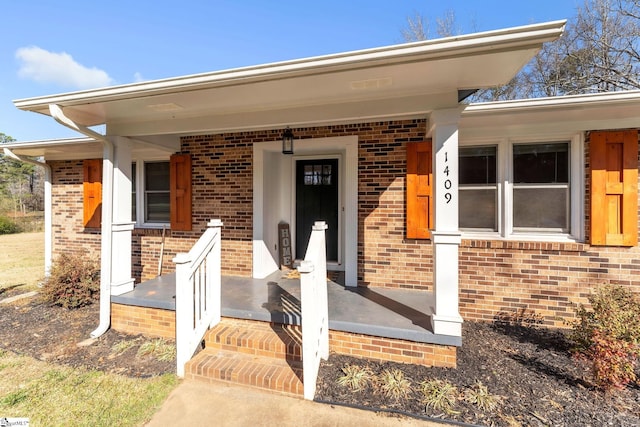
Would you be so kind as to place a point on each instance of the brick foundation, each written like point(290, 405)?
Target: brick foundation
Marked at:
point(151, 322)
point(155, 322)
point(393, 350)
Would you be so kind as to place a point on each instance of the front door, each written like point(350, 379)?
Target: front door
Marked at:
point(317, 200)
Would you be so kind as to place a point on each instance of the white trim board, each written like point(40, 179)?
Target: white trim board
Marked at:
point(272, 180)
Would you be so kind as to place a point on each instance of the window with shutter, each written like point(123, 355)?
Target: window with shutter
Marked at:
point(614, 188)
point(419, 190)
point(180, 192)
point(92, 193)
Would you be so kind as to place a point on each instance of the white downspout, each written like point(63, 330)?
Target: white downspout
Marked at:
point(107, 215)
point(48, 229)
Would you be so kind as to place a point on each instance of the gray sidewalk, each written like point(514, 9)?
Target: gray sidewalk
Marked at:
point(194, 403)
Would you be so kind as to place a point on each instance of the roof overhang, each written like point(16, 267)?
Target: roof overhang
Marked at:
point(551, 116)
point(82, 148)
point(400, 81)
point(556, 116)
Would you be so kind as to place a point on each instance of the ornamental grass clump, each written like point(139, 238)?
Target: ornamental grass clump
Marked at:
point(394, 384)
point(607, 336)
point(478, 395)
point(355, 378)
point(74, 282)
point(439, 395)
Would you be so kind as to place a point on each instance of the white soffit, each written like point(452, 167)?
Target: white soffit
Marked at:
point(85, 148)
point(564, 114)
point(358, 84)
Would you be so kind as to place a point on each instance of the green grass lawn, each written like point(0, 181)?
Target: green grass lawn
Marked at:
point(54, 395)
point(21, 260)
point(51, 395)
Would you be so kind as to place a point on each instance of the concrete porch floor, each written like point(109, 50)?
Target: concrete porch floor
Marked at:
point(383, 312)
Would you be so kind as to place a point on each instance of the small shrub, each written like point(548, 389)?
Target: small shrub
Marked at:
point(74, 282)
point(608, 336)
point(439, 394)
point(7, 226)
point(394, 384)
point(355, 377)
point(479, 395)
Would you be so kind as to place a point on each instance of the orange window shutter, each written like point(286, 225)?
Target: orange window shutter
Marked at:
point(180, 192)
point(419, 190)
point(92, 193)
point(614, 188)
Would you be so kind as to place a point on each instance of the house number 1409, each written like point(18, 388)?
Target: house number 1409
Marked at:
point(447, 182)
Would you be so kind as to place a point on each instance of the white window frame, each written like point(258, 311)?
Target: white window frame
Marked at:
point(504, 175)
point(496, 187)
point(140, 193)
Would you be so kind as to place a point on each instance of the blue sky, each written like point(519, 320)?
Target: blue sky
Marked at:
point(49, 47)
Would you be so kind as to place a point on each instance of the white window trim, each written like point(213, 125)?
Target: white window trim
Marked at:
point(139, 220)
point(505, 190)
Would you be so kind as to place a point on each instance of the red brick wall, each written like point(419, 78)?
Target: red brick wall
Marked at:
point(224, 189)
point(496, 277)
point(544, 279)
point(69, 234)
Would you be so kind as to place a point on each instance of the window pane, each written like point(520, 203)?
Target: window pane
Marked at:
point(317, 174)
point(541, 163)
point(157, 207)
point(477, 208)
point(156, 192)
point(541, 208)
point(156, 176)
point(477, 165)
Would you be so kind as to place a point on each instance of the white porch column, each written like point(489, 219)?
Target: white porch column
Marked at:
point(122, 225)
point(445, 237)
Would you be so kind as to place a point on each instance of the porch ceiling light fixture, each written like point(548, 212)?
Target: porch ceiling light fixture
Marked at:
point(287, 141)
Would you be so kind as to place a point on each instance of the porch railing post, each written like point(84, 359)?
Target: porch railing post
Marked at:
point(313, 299)
point(198, 280)
point(184, 310)
point(214, 294)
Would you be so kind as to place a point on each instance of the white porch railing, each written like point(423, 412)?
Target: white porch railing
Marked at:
point(315, 313)
point(198, 281)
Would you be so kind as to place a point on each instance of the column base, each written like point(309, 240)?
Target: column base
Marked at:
point(122, 287)
point(447, 325)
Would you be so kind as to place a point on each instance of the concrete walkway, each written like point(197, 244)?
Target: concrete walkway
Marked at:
point(195, 403)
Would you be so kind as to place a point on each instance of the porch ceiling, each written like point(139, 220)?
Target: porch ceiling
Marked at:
point(406, 80)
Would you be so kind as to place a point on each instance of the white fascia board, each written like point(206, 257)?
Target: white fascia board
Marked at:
point(558, 115)
point(558, 102)
point(45, 143)
point(445, 48)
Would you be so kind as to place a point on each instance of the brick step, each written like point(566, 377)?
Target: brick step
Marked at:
point(261, 372)
point(257, 339)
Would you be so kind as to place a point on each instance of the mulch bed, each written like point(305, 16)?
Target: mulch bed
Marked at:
point(52, 334)
point(530, 369)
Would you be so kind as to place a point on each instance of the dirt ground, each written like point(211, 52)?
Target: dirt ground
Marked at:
point(53, 334)
point(528, 369)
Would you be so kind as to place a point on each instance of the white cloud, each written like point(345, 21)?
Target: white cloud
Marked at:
point(137, 77)
point(43, 66)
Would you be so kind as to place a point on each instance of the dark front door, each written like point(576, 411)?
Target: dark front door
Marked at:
point(317, 200)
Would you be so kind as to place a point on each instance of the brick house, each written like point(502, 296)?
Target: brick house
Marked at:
point(483, 210)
